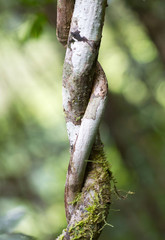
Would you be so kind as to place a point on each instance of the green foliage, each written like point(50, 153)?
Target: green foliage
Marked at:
point(32, 3)
point(36, 27)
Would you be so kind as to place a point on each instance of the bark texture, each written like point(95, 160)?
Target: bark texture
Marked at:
point(87, 189)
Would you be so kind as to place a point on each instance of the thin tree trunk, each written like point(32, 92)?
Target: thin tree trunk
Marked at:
point(87, 190)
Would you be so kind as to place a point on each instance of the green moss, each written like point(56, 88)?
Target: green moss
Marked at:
point(78, 118)
point(61, 237)
point(77, 199)
point(94, 209)
point(93, 219)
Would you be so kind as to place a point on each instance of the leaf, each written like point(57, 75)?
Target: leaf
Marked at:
point(35, 28)
point(15, 236)
point(11, 219)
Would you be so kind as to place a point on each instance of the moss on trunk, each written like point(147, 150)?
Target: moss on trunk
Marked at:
point(92, 204)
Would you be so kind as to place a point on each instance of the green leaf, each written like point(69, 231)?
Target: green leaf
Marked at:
point(36, 27)
point(11, 219)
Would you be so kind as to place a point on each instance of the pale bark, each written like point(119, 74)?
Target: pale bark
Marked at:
point(87, 190)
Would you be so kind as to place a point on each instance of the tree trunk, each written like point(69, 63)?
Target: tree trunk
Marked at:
point(87, 189)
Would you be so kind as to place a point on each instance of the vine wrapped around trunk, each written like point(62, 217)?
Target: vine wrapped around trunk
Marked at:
point(87, 189)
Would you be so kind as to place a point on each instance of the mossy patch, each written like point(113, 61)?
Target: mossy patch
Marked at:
point(92, 204)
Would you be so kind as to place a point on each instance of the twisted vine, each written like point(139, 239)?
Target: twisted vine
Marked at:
point(87, 188)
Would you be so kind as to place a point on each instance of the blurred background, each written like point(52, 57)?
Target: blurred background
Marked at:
point(34, 149)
